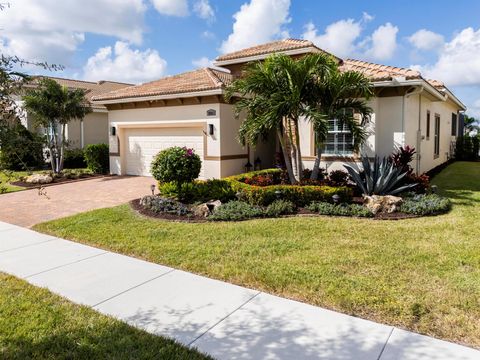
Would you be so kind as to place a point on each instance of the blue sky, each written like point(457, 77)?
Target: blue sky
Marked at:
point(142, 40)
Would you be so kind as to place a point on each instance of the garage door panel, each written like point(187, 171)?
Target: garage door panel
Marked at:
point(143, 144)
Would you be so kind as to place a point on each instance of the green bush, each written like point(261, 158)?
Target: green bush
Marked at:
point(467, 148)
point(74, 159)
point(280, 207)
point(200, 191)
point(422, 204)
point(297, 194)
point(76, 173)
point(97, 158)
point(20, 149)
point(235, 211)
point(324, 208)
point(159, 204)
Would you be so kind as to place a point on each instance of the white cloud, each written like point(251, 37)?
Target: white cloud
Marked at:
point(208, 35)
point(52, 30)
point(459, 60)
point(204, 10)
point(383, 42)
point(202, 62)
point(122, 63)
point(426, 40)
point(171, 7)
point(339, 38)
point(257, 22)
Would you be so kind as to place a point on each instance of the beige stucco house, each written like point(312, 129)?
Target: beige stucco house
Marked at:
point(189, 110)
point(93, 129)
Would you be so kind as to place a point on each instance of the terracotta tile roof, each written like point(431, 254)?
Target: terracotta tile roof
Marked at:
point(377, 72)
point(269, 48)
point(193, 81)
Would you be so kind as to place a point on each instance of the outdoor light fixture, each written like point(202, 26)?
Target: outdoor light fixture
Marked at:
point(248, 166)
point(258, 164)
point(278, 194)
point(113, 131)
point(152, 188)
point(336, 199)
point(434, 189)
point(211, 129)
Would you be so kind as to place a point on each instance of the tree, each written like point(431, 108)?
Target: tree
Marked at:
point(470, 124)
point(53, 107)
point(275, 94)
point(341, 96)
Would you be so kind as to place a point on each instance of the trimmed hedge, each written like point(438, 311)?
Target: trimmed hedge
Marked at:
point(297, 194)
point(97, 158)
point(200, 191)
point(74, 159)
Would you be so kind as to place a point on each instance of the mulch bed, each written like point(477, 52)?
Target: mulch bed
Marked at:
point(302, 212)
point(55, 181)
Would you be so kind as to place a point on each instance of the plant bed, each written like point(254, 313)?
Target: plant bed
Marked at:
point(72, 177)
point(135, 204)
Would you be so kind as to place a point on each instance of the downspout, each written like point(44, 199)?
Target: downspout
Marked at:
point(82, 141)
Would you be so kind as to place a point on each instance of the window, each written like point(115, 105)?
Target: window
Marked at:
point(428, 125)
point(454, 124)
point(436, 151)
point(339, 139)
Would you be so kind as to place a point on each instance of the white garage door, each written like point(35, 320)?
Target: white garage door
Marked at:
point(143, 144)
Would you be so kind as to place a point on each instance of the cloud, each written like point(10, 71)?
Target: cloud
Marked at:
point(208, 35)
point(383, 42)
point(122, 63)
point(257, 22)
point(204, 10)
point(458, 62)
point(202, 62)
point(171, 7)
point(51, 30)
point(426, 40)
point(339, 38)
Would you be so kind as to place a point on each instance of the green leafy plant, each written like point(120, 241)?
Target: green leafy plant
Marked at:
point(21, 150)
point(200, 191)
point(421, 204)
point(324, 208)
point(74, 159)
point(235, 211)
point(380, 178)
point(338, 178)
point(179, 165)
point(280, 207)
point(159, 204)
point(97, 158)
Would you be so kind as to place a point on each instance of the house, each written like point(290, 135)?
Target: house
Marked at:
point(93, 129)
point(189, 110)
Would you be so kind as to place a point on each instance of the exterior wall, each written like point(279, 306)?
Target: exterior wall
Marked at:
point(95, 128)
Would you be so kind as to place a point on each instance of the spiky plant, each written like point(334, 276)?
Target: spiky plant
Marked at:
point(379, 178)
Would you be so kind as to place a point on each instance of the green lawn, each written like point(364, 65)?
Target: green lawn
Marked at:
point(420, 274)
point(5, 187)
point(36, 324)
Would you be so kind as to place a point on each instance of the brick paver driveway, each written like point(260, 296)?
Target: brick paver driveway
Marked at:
point(27, 208)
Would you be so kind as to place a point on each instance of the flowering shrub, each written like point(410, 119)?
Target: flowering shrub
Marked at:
point(176, 164)
point(262, 180)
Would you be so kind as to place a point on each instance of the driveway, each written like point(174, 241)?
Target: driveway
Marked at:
point(27, 208)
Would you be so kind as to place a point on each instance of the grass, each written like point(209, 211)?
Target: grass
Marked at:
point(420, 274)
point(5, 186)
point(36, 324)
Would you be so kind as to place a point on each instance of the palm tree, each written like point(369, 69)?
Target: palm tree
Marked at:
point(341, 96)
point(470, 124)
point(275, 94)
point(53, 107)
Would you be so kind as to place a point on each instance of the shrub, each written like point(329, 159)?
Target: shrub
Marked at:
point(467, 148)
point(280, 207)
point(21, 149)
point(299, 195)
point(200, 191)
point(422, 182)
point(338, 178)
point(97, 158)
point(74, 159)
point(235, 211)
point(324, 208)
point(179, 165)
point(262, 180)
point(159, 204)
point(76, 173)
point(402, 158)
point(421, 204)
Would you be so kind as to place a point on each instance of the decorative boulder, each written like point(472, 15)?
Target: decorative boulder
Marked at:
point(206, 209)
point(384, 204)
point(39, 179)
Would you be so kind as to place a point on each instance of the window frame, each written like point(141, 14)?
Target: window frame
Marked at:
point(454, 124)
point(336, 143)
point(436, 135)
point(428, 121)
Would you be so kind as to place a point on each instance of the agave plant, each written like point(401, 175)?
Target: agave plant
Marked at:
point(379, 178)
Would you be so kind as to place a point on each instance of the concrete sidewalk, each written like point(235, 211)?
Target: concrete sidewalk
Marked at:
point(224, 320)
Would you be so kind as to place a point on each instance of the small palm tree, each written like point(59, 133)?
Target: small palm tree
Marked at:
point(275, 94)
point(53, 107)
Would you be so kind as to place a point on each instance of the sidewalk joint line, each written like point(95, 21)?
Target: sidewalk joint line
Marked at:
point(224, 318)
point(133, 287)
point(29, 245)
point(386, 343)
point(61, 266)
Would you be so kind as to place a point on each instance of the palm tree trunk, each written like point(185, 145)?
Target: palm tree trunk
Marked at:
point(286, 155)
point(318, 158)
point(298, 149)
point(62, 148)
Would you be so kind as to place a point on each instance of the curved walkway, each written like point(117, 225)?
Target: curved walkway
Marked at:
point(27, 208)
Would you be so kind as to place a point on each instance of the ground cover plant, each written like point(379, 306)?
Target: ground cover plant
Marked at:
point(422, 274)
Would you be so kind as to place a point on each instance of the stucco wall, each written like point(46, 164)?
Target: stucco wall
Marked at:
point(95, 128)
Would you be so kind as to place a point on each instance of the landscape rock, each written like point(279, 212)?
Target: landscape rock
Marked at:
point(382, 204)
point(39, 179)
point(206, 209)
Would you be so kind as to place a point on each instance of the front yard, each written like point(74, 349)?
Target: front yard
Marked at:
point(36, 324)
point(421, 274)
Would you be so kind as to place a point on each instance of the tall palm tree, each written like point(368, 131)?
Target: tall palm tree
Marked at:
point(275, 94)
point(53, 107)
point(341, 96)
point(470, 124)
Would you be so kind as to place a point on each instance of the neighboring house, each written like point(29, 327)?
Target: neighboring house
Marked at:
point(93, 129)
point(189, 110)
